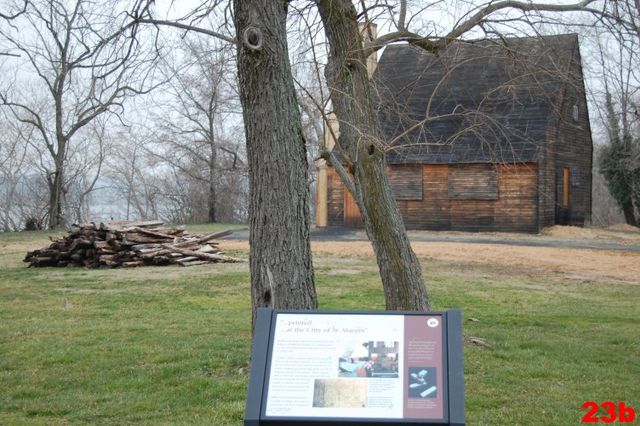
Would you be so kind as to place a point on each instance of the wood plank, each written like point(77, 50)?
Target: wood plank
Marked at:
point(352, 216)
point(517, 207)
point(335, 198)
point(473, 182)
point(405, 181)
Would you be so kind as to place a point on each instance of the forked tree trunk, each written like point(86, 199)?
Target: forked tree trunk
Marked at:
point(360, 138)
point(280, 253)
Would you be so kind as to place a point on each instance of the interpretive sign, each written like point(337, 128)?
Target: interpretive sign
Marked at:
point(350, 368)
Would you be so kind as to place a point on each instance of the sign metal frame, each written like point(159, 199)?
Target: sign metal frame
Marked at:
point(262, 351)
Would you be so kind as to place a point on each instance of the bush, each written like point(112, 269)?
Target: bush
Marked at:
point(32, 224)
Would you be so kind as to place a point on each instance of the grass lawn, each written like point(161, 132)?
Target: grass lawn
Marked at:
point(170, 345)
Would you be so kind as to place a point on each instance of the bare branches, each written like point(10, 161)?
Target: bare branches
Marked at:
point(88, 63)
point(14, 15)
point(187, 27)
point(196, 144)
point(482, 16)
point(142, 14)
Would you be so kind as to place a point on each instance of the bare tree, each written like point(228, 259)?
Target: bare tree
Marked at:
point(280, 253)
point(133, 174)
point(85, 161)
point(85, 65)
point(618, 103)
point(14, 156)
point(197, 119)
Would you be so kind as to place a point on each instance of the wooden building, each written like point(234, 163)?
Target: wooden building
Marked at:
point(486, 136)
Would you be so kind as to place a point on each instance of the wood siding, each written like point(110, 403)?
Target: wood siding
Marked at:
point(517, 205)
point(473, 182)
point(406, 181)
point(432, 211)
point(514, 210)
point(569, 146)
point(352, 216)
point(335, 198)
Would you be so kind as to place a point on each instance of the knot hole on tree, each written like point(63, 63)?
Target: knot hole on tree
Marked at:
point(252, 38)
point(371, 149)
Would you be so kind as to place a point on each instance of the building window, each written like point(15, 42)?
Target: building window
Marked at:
point(473, 182)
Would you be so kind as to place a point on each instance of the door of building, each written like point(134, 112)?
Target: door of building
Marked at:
point(352, 216)
point(563, 207)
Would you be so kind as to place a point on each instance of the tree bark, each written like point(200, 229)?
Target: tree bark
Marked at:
point(280, 253)
point(211, 196)
point(56, 186)
point(360, 138)
point(629, 213)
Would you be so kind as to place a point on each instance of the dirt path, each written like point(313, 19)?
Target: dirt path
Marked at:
point(569, 263)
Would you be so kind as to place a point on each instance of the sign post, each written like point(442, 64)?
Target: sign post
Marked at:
point(355, 368)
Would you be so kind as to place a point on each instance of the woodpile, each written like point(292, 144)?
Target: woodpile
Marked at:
point(129, 244)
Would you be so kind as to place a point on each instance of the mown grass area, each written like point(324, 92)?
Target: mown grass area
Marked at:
point(171, 345)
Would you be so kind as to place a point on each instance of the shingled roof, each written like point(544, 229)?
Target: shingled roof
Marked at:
point(485, 101)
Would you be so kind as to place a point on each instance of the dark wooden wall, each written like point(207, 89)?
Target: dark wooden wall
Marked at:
point(472, 197)
point(569, 145)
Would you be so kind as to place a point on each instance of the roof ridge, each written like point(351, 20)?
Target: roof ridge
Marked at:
point(541, 37)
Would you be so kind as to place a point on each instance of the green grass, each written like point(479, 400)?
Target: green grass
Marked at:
point(171, 345)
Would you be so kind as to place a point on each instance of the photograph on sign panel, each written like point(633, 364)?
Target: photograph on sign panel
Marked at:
point(369, 359)
point(422, 382)
point(340, 393)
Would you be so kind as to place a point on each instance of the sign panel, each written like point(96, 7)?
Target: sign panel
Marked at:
point(325, 366)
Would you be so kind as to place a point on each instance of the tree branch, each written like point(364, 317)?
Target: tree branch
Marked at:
point(187, 27)
point(15, 15)
point(402, 16)
point(433, 44)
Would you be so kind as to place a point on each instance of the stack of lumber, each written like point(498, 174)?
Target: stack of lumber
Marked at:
point(129, 244)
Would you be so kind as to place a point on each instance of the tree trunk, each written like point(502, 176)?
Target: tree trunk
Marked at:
point(360, 138)
point(56, 219)
point(211, 196)
point(280, 253)
point(629, 213)
point(10, 182)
